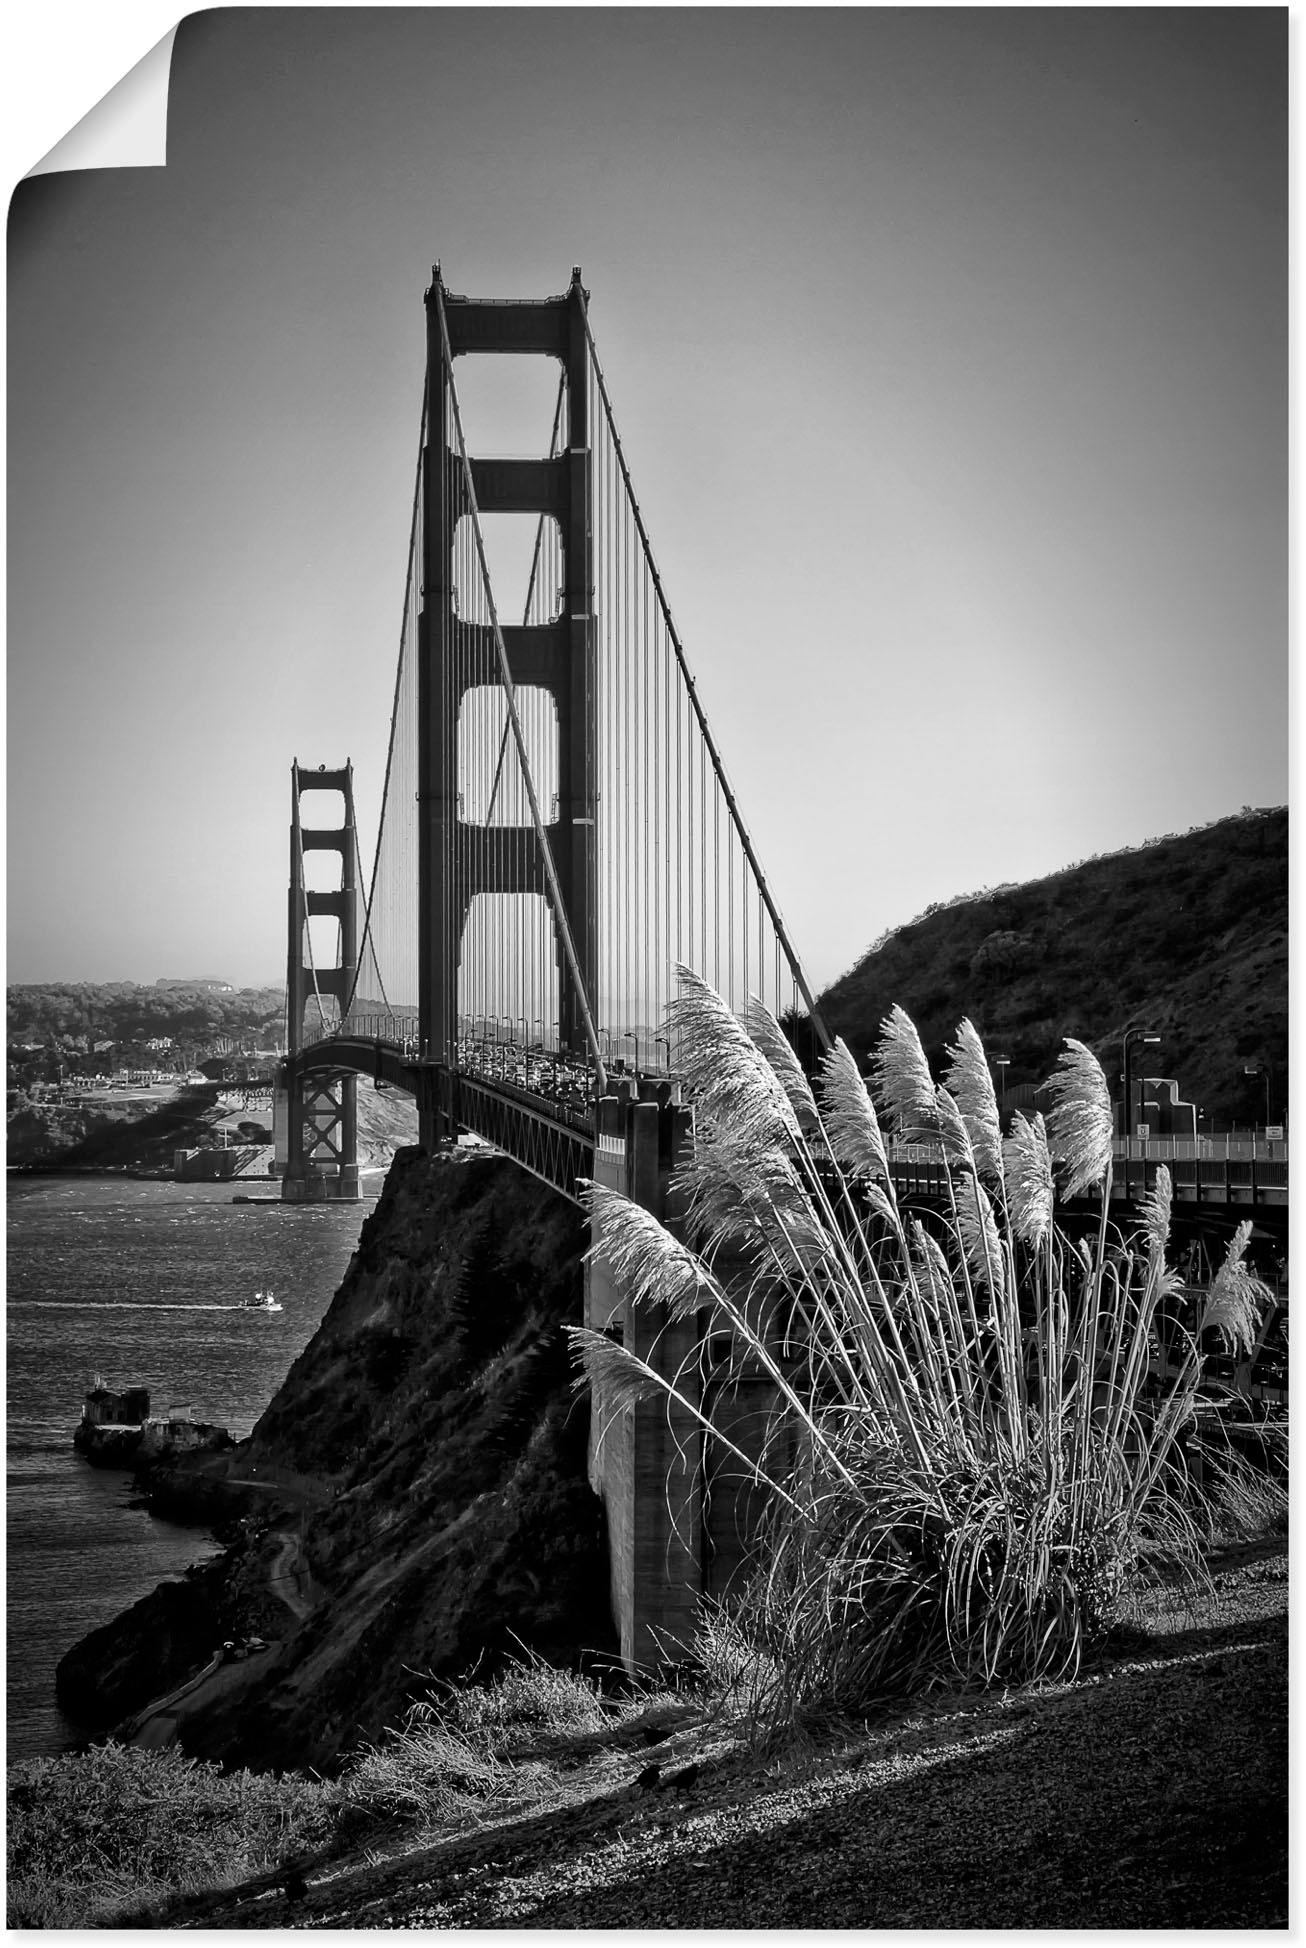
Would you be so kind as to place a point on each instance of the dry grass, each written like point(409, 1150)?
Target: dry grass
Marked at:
point(1247, 1501)
point(534, 1736)
point(92, 1837)
point(117, 1836)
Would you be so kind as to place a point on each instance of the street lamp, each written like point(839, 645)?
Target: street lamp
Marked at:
point(660, 1041)
point(632, 1035)
point(1002, 1062)
point(1131, 1035)
point(1262, 1069)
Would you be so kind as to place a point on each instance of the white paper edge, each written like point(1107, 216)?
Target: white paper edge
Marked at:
point(128, 129)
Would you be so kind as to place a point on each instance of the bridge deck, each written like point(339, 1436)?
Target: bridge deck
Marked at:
point(536, 1105)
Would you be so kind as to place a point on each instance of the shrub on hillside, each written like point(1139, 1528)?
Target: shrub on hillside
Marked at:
point(473, 1746)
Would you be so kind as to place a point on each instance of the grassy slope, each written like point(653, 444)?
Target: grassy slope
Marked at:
point(1188, 935)
point(1149, 1792)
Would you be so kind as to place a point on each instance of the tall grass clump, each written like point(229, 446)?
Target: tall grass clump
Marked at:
point(91, 1836)
point(473, 1749)
point(963, 1466)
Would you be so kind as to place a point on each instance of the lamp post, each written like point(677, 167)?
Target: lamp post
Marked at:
point(1262, 1069)
point(632, 1035)
point(660, 1041)
point(1131, 1035)
point(1002, 1063)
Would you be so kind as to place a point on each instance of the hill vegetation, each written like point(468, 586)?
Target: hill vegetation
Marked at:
point(1187, 936)
point(61, 1024)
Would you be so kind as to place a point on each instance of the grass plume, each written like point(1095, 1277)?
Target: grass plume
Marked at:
point(974, 1469)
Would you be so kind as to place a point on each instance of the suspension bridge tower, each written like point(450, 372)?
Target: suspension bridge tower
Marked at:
point(461, 859)
point(315, 1111)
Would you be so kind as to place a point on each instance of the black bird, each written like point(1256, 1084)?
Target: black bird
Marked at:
point(655, 1734)
point(293, 1885)
point(649, 1777)
point(684, 1780)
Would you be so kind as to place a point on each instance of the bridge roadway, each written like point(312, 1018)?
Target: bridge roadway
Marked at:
point(536, 1105)
point(532, 1103)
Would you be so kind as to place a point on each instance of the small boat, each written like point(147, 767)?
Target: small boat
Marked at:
point(261, 1302)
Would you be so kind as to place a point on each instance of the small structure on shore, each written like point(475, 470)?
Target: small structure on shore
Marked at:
point(118, 1431)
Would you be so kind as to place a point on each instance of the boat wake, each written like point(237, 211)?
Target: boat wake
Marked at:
point(129, 1305)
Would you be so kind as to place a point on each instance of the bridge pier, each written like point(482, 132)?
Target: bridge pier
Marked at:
point(645, 1460)
point(315, 1112)
point(315, 1133)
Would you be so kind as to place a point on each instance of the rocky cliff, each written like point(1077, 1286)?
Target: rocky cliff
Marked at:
point(413, 1499)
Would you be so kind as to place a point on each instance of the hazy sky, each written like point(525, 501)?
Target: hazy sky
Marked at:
point(948, 348)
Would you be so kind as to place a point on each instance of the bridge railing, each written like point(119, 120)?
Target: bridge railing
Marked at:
point(564, 1079)
point(1154, 1149)
point(1213, 1170)
point(399, 1030)
point(1202, 1149)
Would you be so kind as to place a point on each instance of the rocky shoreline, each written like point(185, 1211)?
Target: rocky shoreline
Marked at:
point(414, 1497)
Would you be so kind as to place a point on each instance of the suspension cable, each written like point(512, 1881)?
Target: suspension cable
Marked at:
point(394, 721)
point(718, 765)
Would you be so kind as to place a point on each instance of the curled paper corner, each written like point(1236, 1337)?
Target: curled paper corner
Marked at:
point(128, 129)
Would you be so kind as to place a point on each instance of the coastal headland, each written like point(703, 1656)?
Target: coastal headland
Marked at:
point(412, 1502)
point(139, 1133)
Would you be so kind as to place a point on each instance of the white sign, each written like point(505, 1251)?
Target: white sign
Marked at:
point(1142, 1131)
point(1274, 1132)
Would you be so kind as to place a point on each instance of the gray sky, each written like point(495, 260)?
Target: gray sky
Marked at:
point(948, 348)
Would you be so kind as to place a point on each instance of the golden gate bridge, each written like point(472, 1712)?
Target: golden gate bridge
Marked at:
point(557, 832)
point(558, 828)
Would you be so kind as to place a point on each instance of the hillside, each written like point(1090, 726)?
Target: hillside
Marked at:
point(78, 1027)
point(139, 1133)
point(1187, 935)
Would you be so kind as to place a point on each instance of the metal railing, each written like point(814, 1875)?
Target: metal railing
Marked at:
point(1137, 1149)
point(1202, 1149)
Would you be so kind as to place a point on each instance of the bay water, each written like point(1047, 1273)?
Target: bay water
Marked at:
point(141, 1283)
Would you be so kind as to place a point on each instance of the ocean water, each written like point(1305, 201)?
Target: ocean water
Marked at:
point(141, 1283)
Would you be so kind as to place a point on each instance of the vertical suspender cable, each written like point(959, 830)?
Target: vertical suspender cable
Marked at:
point(736, 817)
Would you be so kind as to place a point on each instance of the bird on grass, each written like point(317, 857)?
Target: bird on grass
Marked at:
point(649, 1777)
point(683, 1781)
point(293, 1885)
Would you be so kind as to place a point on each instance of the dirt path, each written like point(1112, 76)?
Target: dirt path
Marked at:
point(288, 1578)
point(157, 1724)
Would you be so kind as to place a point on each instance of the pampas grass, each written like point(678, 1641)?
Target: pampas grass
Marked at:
point(975, 1469)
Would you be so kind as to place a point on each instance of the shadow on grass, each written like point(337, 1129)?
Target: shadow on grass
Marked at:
point(1152, 1795)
